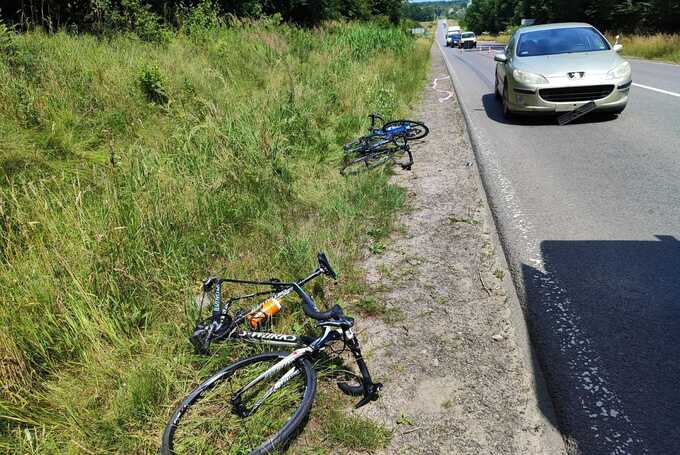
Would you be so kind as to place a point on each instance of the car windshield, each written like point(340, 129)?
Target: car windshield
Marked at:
point(560, 41)
point(451, 35)
point(468, 35)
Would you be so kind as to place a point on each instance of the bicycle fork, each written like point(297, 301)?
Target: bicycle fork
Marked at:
point(371, 389)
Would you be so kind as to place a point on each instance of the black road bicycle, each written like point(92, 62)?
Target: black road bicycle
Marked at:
point(259, 403)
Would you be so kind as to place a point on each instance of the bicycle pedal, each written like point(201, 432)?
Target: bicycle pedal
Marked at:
point(373, 394)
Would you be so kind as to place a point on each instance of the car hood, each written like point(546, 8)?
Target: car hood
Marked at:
point(557, 66)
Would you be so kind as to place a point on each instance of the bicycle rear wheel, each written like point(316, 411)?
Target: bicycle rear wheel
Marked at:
point(414, 130)
point(370, 160)
point(209, 421)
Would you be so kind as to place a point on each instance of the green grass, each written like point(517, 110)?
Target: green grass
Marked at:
point(654, 47)
point(502, 38)
point(354, 432)
point(372, 307)
point(131, 170)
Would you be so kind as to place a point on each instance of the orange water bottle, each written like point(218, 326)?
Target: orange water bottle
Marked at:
point(269, 308)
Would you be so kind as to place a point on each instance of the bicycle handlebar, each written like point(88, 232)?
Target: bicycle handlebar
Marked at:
point(283, 288)
point(312, 311)
point(374, 116)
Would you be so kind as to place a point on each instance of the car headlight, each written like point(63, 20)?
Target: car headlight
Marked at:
point(525, 77)
point(620, 72)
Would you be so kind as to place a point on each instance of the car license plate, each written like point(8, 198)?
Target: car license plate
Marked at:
point(576, 113)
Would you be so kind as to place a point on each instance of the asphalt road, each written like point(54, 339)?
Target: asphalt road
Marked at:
point(589, 215)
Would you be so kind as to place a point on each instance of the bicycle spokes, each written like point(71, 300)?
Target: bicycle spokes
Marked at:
point(222, 420)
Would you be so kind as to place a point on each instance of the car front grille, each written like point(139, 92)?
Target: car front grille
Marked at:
point(573, 94)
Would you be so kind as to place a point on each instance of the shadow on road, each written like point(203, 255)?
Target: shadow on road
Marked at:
point(605, 320)
point(494, 110)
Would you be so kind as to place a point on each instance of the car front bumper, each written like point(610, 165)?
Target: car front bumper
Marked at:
point(527, 99)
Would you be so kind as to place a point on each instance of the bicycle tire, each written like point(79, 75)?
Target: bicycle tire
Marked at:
point(419, 130)
point(371, 160)
point(275, 443)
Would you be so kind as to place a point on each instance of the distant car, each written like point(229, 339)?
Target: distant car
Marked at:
point(468, 40)
point(560, 67)
point(453, 39)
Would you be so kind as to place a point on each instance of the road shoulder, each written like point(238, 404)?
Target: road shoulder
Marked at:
point(450, 342)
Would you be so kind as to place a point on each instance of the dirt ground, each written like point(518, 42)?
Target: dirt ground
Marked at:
point(446, 348)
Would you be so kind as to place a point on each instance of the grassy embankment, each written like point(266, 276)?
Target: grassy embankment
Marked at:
point(130, 170)
point(654, 47)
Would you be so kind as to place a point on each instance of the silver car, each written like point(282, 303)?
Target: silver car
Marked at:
point(557, 68)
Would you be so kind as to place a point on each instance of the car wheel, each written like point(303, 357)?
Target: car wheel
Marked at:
point(496, 93)
point(507, 112)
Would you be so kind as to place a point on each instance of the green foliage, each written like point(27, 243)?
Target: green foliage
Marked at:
point(152, 84)
point(427, 11)
point(150, 19)
point(7, 46)
point(112, 210)
point(496, 16)
point(201, 20)
point(135, 16)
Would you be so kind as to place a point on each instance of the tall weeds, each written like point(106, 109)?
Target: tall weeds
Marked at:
point(657, 47)
point(130, 170)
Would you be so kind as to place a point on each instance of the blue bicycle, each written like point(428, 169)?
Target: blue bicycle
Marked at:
point(382, 144)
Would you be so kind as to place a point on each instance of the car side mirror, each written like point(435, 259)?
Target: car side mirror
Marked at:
point(617, 47)
point(500, 58)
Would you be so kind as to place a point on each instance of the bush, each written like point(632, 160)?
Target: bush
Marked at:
point(134, 16)
point(152, 84)
point(201, 20)
point(7, 45)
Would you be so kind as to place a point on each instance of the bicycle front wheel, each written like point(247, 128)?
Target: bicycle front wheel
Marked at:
point(214, 418)
point(413, 130)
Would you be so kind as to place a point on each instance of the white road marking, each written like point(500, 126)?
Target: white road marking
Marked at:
point(449, 94)
point(665, 92)
point(437, 79)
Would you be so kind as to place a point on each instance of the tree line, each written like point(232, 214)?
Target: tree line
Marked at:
point(427, 11)
point(94, 15)
point(648, 16)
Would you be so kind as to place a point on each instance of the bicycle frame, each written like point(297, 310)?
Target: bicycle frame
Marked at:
point(222, 326)
point(370, 389)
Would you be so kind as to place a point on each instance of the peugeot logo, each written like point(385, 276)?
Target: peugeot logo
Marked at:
point(576, 75)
